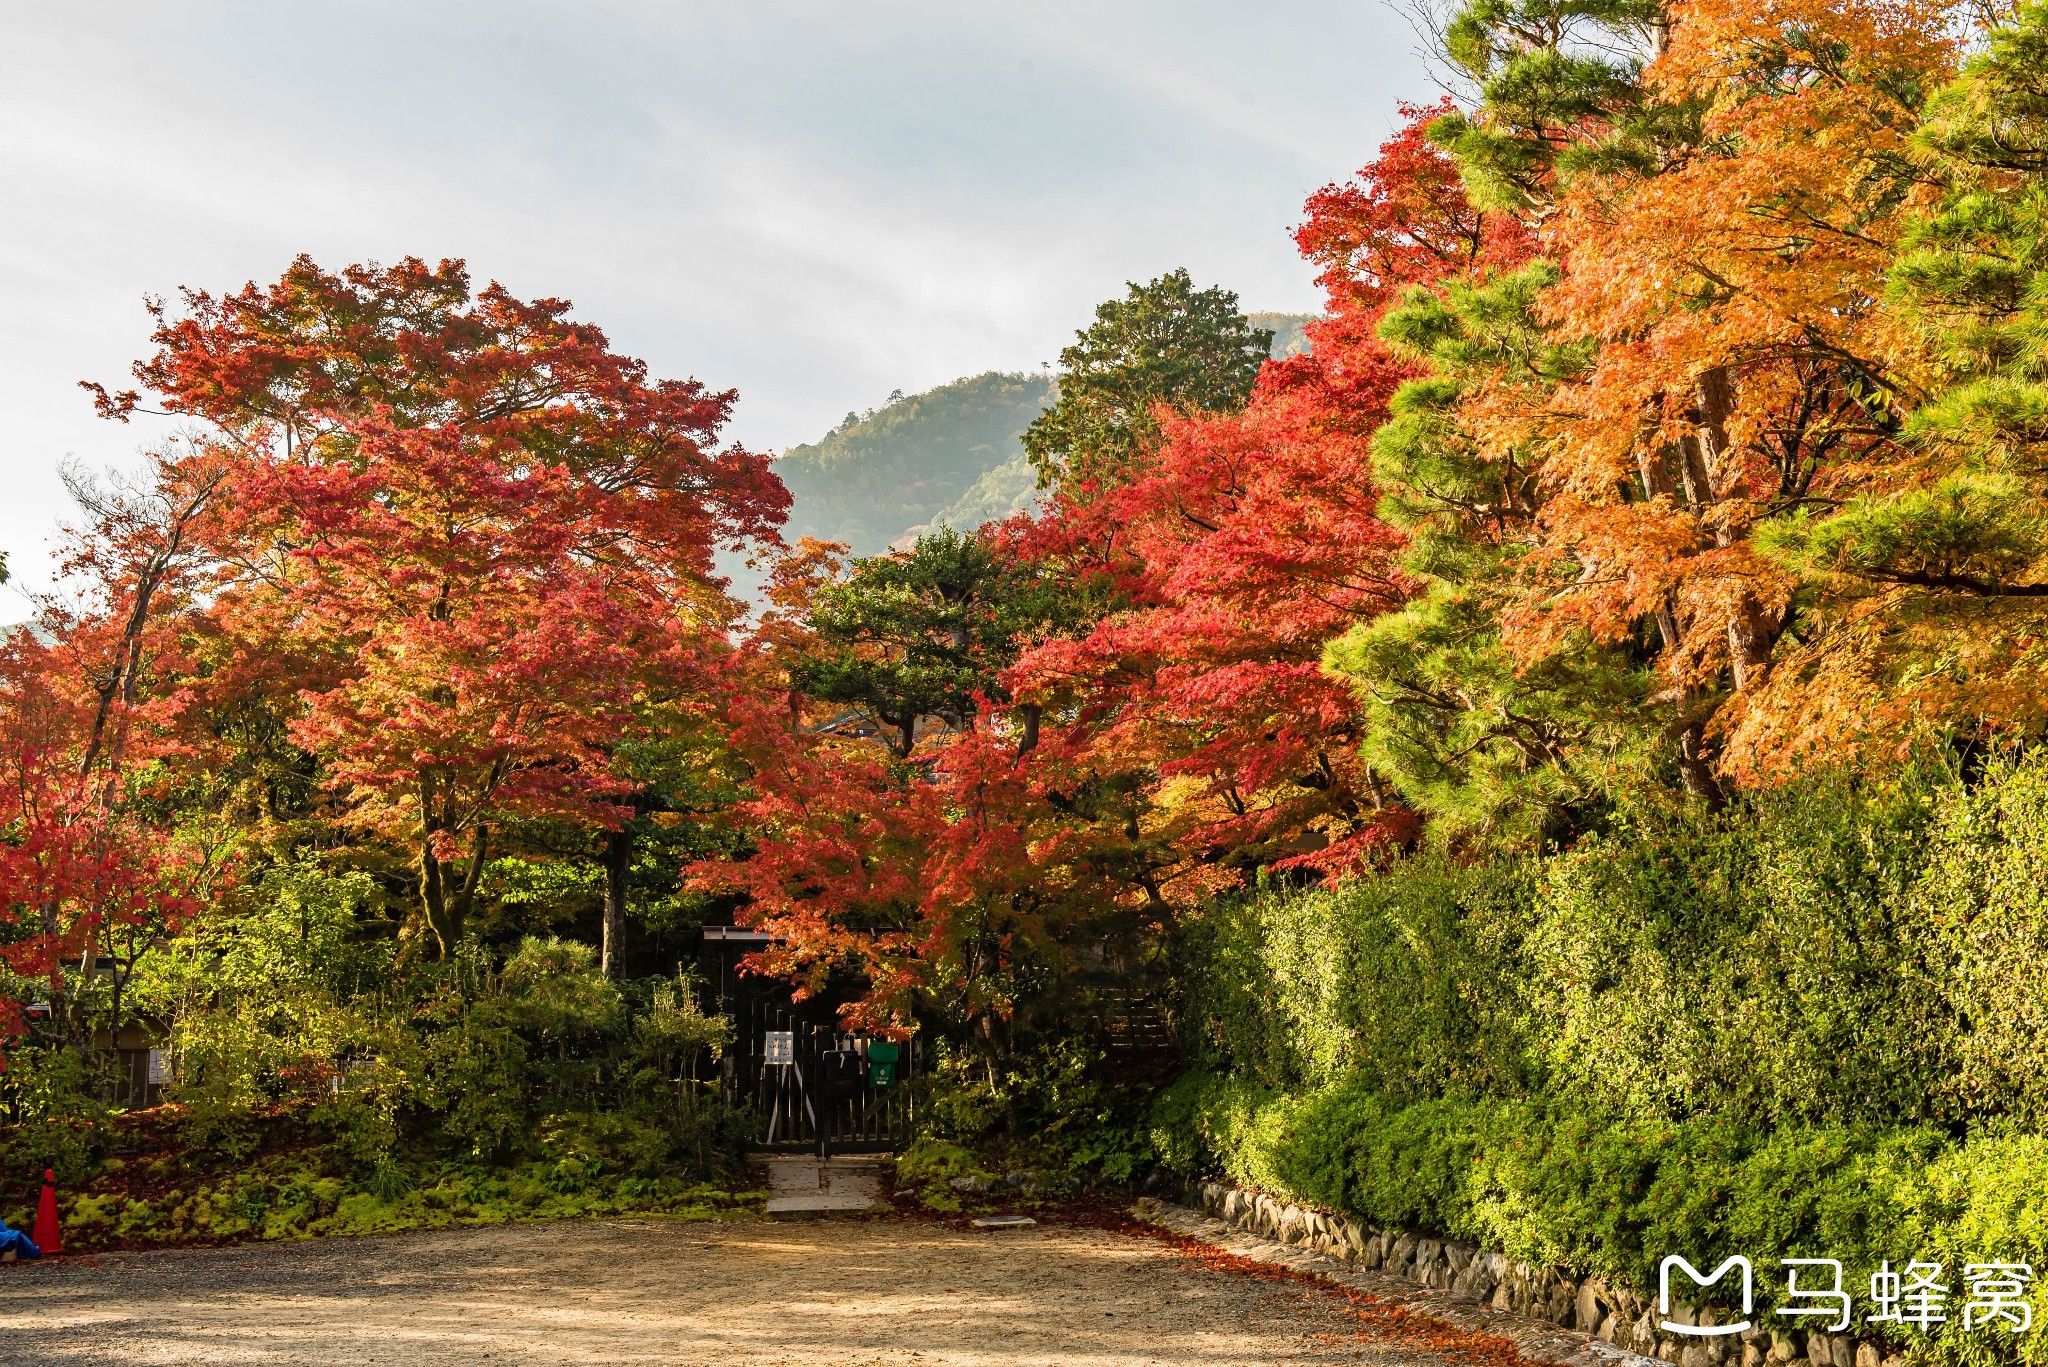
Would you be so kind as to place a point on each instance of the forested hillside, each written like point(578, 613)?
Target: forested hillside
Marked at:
point(1290, 331)
point(947, 457)
point(900, 466)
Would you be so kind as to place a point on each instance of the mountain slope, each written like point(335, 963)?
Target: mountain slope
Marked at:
point(1289, 338)
point(950, 455)
point(903, 465)
point(1009, 488)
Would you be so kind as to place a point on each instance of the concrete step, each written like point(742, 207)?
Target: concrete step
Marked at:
point(805, 1184)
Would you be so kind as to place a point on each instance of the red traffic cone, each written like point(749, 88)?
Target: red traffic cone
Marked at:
point(47, 1239)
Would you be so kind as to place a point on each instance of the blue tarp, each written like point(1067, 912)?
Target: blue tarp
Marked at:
point(15, 1242)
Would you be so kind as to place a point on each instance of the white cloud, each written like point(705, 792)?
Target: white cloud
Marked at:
point(815, 203)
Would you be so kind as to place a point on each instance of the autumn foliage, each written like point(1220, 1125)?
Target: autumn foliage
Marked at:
point(1673, 424)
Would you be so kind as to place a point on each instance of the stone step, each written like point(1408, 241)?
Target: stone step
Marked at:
point(787, 1205)
point(806, 1184)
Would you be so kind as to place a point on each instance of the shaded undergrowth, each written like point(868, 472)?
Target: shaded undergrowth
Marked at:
point(155, 1183)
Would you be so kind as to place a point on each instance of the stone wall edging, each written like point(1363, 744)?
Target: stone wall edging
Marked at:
point(1614, 1314)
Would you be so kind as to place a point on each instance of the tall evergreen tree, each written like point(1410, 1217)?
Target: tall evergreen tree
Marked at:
point(1163, 343)
point(1560, 90)
point(1721, 185)
point(1484, 744)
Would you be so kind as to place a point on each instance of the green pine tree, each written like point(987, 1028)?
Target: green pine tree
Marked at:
point(1560, 91)
point(1163, 342)
point(1487, 748)
point(1959, 552)
point(926, 632)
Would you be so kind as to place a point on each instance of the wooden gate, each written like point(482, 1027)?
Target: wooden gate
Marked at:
point(813, 1102)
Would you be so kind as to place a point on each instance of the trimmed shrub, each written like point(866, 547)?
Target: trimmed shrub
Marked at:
point(1807, 1026)
point(1613, 1196)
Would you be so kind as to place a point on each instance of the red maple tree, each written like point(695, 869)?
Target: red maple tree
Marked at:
point(478, 524)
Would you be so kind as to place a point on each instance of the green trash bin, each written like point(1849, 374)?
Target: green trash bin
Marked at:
point(883, 1056)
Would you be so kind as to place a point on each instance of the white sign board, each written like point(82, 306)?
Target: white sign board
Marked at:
point(778, 1046)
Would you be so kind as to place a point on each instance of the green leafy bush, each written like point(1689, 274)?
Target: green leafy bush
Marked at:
point(554, 992)
point(1808, 1025)
point(1048, 1108)
point(280, 1005)
point(1409, 978)
point(1778, 963)
point(1838, 951)
point(930, 1165)
point(1603, 1194)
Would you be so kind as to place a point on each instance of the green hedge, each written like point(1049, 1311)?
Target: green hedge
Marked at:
point(1809, 1025)
point(1839, 952)
point(1614, 1196)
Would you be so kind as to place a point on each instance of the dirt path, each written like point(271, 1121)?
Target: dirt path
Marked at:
point(858, 1292)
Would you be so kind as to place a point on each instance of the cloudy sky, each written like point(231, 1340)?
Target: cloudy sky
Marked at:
point(815, 203)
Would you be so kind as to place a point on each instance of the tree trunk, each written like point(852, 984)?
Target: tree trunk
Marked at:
point(121, 684)
point(1027, 714)
point(442, 898)
point(60, 1006)
point(446, 893)
point(1695, 768)
point(1654, 465)
point(1749, 643)
point(464, 900)
point(1750, 637)
point(433, 882)
point(1699, 482)
point(618, 857)
point(1715, 401)
point(434, 898)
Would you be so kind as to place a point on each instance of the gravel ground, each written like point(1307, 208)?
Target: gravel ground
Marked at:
point(854, 1291)
point(1476, 1332)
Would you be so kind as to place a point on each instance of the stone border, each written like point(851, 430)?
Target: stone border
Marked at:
point(1610, 1317)
point(1536, 1339)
